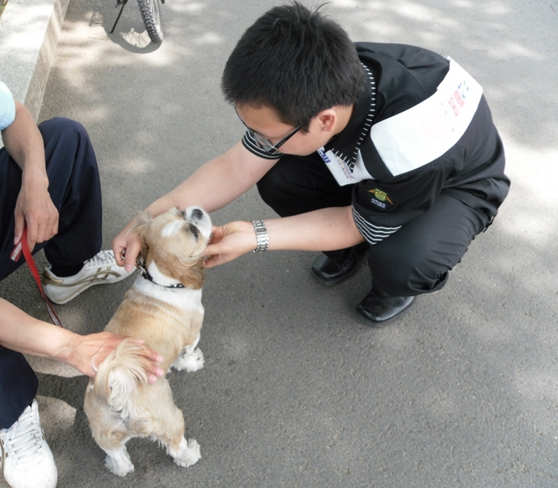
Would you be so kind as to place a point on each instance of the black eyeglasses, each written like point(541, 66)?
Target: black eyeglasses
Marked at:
point(263, 142)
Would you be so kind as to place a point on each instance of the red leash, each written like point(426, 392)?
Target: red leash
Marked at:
point(16, 254)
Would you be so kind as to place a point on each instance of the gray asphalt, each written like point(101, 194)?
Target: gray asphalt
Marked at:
point(460, 392)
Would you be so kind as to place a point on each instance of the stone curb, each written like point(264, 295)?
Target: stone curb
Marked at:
point(29, 31)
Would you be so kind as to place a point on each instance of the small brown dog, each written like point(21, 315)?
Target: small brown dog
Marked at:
point(163, 308)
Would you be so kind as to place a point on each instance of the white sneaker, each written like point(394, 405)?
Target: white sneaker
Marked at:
point(27, 461)
point(100, 269)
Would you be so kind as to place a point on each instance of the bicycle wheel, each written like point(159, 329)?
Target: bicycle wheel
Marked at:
point(149, 10)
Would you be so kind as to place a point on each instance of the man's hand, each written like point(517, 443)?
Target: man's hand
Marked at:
point(229, 242)
point(91, 350)
point(35, 209)
point(126, 247)
point(23, 333)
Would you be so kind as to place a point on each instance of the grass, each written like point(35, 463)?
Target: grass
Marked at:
point(2, 5)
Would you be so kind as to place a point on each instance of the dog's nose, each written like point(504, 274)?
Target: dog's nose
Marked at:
point(197, 214)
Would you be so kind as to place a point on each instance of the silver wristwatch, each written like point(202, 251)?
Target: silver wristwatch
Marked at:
point(262, 236)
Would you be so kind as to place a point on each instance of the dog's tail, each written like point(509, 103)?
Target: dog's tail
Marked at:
point(120, 374)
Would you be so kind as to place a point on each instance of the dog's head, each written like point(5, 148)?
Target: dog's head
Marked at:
point(175, 241)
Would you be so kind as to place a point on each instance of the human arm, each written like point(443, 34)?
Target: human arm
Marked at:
point(214, 185)
point(321, 230)
point(23, 333)
point(24, 142)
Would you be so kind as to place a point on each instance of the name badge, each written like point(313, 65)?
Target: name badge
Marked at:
point(337, 167)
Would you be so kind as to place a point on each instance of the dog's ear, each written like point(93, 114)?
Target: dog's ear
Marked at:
point(143, 220)
point(193, 276)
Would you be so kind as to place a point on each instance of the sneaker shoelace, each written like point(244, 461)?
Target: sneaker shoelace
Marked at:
point(102, 258)
point(23, 441)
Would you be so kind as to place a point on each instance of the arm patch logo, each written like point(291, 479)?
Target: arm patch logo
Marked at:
point(381, 199)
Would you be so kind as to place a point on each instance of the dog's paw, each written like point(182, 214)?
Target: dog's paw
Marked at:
point(119, 463)
point(188, 454)
point(189, 361)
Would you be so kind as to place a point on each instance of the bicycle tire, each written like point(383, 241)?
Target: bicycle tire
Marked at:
point(149, 10)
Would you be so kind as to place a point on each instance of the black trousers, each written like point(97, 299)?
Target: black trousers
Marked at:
point(75, 190)
point(414, 260)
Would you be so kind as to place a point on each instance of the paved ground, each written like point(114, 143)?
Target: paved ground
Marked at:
point(296, 392)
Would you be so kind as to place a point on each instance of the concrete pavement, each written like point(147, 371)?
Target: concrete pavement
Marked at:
point(296, 392)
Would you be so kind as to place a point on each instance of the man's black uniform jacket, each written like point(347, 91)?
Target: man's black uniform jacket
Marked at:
point(421, 128)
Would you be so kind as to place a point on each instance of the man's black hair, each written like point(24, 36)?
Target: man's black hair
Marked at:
point(297, 62)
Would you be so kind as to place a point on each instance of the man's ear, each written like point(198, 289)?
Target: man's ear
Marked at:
point(327, 120)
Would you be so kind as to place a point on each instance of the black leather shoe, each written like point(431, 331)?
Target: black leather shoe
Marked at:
point(334, 270)
point(377, 309)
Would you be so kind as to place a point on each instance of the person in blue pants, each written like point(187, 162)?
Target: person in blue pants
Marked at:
point(49, 183)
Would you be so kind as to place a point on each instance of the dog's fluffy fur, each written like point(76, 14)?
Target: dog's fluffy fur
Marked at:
point(119, 402)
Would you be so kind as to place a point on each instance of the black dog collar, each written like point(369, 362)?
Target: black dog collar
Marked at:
point(146, 275)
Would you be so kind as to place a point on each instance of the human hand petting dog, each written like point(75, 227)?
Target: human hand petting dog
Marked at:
point(126, 247)
point(320, 230)
point(28, 335)
point(229, 242)
point(89, 351)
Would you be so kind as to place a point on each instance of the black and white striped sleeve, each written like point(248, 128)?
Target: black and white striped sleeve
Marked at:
point(251, 144)
point(372, 233)
point(381, 208)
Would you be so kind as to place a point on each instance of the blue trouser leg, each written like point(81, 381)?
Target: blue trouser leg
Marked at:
point(74, 188)
point(18, 386)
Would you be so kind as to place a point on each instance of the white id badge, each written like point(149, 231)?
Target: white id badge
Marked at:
point(337, 167)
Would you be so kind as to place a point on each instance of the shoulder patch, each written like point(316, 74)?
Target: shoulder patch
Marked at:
point(381, 199)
